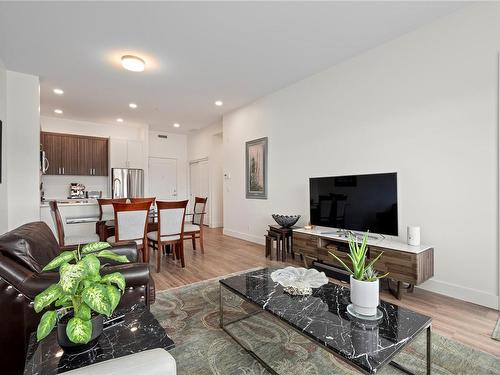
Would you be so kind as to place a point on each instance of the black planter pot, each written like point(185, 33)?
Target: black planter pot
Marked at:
point(70, 347)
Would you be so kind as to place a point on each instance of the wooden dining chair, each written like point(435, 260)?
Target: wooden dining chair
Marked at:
point(171, 217)
point(194, 229)
point(142, 200)
point(65, 241)
point(105, 226)
point(131, 220)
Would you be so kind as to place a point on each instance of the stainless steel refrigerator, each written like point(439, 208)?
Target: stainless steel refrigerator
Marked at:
point(127, 183)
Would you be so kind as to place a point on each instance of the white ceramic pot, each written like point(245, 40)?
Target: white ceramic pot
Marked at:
point(365, 296)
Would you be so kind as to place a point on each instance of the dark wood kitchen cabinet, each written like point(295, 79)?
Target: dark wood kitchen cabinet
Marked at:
point(75, 155)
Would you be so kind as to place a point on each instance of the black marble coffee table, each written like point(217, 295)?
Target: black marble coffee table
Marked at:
point(139, 331)
point(323, 318)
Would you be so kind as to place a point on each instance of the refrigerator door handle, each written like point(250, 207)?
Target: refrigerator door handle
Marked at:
point(117, 193)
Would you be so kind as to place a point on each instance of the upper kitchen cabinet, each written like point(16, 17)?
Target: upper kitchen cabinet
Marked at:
point(126, 153)
point(93, 156)
point(75, 155)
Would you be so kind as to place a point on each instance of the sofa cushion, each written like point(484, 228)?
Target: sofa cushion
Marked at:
point(32, 245)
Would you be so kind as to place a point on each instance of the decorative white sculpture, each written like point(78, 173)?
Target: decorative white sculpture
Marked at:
point(299, 281)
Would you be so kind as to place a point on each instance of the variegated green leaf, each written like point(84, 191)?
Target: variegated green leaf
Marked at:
point(71, 275)
point(45, 298)
point(79, 331)
point(94, 246)
point(47, 323)
point(110, 255)
point(92, 264)
point(96, 297)
point(115, 278)
point(83, 311)
point(64, 301)
point(114, 296)
point(59, 260)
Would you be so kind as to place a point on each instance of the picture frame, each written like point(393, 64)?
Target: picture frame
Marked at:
point(256, 152)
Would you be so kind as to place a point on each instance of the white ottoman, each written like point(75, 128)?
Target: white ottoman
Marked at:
point(149, 362)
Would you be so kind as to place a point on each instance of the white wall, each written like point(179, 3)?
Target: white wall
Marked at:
point(22, 131)
point(58, 186)
point(207, 143)
point(173, 147)
point(3, 148)
point(424, 105)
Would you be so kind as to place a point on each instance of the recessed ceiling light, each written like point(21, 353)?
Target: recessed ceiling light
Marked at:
point(58, 111)
point(119, 120)
point(218, 103)
point(176, 125)
point(58, 91)
point(133, 105)
point(133, 63)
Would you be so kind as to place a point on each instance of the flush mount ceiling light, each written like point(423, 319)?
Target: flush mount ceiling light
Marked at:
point(119, 120)
point(176, 125)
point(58, 91)
point(58, 111)
point(133, 63)
point(219, 103)
point(133, 105)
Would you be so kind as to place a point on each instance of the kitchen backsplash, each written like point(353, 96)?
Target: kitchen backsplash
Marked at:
point(58, 186)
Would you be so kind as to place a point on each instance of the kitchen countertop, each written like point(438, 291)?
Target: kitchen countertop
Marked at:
point(70, 202)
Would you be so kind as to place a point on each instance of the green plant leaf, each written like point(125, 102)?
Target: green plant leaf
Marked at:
point(79, 331)
point(93, 264)
point(45, 298)
point(110, 255)
point(83, 312)
point(96, 297)
point(64, 301)
point(59, 260)
point(114, 296)
point(47, 323)
point(115, 278)
point(341, 262)
point(71, 275)
point(94, 246)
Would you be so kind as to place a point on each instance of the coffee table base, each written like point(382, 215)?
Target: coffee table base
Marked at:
point(223, 326)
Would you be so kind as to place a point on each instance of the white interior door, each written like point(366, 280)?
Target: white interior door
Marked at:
point(199, 185)
point(163, 178)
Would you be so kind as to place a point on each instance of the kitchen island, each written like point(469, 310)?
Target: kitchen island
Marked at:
point(78, 215)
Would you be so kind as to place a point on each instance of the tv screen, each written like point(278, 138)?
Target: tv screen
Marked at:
point(360, 202)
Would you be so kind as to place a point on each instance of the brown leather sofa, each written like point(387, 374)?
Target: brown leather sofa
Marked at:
point(23, 253)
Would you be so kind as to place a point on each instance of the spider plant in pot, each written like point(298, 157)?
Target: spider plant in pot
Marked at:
point(82, 296)
point(363, 277)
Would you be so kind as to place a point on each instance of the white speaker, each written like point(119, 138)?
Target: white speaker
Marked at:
point(413, 236)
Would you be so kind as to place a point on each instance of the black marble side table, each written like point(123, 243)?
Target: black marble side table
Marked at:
point(139, 331)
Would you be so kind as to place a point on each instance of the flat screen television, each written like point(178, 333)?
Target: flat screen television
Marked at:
point(362, 203)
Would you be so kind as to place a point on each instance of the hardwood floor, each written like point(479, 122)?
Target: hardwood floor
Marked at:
point(465, 322)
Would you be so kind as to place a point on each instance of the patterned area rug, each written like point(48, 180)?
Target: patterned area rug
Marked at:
point(191, 316)
point(496, 332)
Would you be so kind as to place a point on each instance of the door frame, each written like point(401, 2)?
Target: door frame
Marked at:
point(176, 173)
point(209, 195)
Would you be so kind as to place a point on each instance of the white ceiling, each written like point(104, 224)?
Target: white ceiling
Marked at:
point(196, 53)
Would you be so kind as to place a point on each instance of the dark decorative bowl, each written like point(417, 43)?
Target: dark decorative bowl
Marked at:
point(286, 221)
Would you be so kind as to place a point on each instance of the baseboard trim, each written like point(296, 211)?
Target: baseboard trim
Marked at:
point(465, 294)
point(217, 224)
point(244, 236)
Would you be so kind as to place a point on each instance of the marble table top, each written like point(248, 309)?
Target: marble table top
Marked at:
point(138, 332)
point(323, 318)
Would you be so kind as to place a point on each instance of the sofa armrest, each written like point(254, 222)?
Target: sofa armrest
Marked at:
point(136, 274)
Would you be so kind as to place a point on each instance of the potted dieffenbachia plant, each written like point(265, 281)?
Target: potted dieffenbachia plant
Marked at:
point(363, 277)
point(81, 297)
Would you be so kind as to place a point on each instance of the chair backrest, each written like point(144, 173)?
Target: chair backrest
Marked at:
point(142, 200)
point(200, 204)
point(171, 218)
point(106, 211)
point(56, 217)
point(131, 220)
